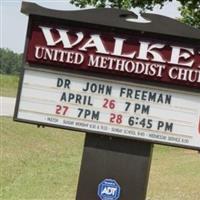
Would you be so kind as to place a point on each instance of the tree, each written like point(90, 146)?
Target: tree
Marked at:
point(191, 15)
point(10, 62)
point(190, 10)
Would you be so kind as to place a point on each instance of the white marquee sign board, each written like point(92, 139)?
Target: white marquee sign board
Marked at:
point(124, 109)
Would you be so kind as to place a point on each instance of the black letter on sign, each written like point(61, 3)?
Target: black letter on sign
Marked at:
point(65, 83)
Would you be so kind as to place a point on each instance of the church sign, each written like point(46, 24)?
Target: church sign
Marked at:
point(108, 81)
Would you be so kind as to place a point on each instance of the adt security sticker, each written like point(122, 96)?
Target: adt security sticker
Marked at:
point(109, 189)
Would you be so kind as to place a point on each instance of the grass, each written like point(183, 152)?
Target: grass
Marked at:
point(175, 174)
point(38, 163)
point(8, 85)
point(44, 163)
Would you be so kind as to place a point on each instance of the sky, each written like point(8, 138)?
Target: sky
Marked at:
point(13, 23)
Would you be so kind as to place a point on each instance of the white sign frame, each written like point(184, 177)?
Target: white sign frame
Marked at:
point(174, 128)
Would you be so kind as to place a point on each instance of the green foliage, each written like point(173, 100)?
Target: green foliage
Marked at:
point(190, 14)
point(123, 4)
point(190, 10)
point(10, 62)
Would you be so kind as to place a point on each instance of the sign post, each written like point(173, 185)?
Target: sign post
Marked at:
point(126, 85)
point(125, 161)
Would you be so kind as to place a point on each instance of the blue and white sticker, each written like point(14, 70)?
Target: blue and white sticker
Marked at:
point(109, 189)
